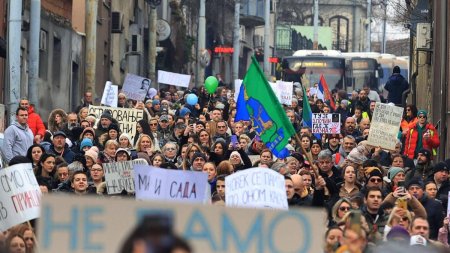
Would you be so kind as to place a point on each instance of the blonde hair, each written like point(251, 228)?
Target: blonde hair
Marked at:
point(138, 143)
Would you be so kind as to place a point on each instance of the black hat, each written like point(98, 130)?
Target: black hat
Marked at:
point(106, 115)
point(414, 181)
point(426, 153)
point(114, 126)
point(197, 155)
point(440, 166)
point(396, 69)
point(61, 133)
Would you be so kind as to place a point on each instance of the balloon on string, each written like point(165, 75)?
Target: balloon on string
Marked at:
point(151, 92)
point(211, 84)
point(191, 99)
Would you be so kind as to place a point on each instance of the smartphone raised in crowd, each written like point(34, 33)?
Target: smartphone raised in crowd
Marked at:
point(234, 141)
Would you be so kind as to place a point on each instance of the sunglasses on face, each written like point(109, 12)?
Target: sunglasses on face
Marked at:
point(376, 180)
point(421, 117)
point(344, 208)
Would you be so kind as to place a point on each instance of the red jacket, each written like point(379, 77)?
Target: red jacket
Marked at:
point(412, 137)
point(35, 122)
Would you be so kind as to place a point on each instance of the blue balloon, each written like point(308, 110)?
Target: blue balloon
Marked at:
point(192, 99)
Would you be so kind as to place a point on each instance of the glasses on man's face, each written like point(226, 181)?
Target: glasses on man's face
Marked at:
point(221, 126)
point(344, 208)
point(376, 180)
point(421, 117)
point(153, 124)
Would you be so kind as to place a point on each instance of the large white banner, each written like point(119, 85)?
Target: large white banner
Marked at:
point(385, 126)
point(153, 183)
point(126, 117)
point(176, 79)
point(136, 87)
point(256, 187)
point(119, 176)
point(85, 225)
point(20, 195)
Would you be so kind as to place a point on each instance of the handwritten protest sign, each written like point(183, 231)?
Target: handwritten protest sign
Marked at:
point(174, 78)
point(136, 87)
point(103, 225)
point(126, 117)
point(20, 195)
point(283, 91)
point(256, 187)
point(119, 176)
point(326, 123)
point(173, 185)
point(385, 126)
point(110, 94)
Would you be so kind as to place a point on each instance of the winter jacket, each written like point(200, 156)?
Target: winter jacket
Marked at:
point(412, 137)
point(67, 154)
point(435, 215)
point(17, 140)
point(35, 123)
point(396, 85)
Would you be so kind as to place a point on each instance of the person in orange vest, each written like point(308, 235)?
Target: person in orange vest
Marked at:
point(421, 135)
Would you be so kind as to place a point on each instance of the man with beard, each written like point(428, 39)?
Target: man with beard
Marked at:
point(423, 168)
point(106, 119)
point(333, 143)
point(348, 144)
point(363, 101)
point(350, 127)
point(421, 135)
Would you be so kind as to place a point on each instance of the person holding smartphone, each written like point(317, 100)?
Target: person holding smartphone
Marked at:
point(395, 175)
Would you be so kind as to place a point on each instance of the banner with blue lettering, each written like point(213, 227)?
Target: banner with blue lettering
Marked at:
point(105, 225)
point(153, 183)
point(20, 195)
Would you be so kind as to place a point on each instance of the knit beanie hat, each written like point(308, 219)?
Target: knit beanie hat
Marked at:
point(90, 130)
point(372, 172)
point(235, 153)
point(398, 232)
point(197, 155)
point(92, 154)
point(86, 142)
point(393, 171)
point(422, 112)
point(184, 111)
point(426, 153)
point(114, 126)
point(126, 136)
point(106, 115)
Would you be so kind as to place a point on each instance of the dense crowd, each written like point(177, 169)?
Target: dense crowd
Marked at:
point(377, 200)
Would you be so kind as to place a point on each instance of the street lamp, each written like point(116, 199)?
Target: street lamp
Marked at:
point(152, 40)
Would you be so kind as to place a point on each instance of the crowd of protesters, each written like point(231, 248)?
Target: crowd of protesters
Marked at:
point(396, 197)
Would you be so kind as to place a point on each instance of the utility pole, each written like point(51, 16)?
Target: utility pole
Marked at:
point(91, 44)
point(368, 27)
point(35, 28)
point(316, 25)
point(200, 72)
point(384, 3)
point(13, 55)
point(152, 46)
point(266, 38)
point(236, 39)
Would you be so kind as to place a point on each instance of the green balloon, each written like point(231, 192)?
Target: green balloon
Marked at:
point(211, 84)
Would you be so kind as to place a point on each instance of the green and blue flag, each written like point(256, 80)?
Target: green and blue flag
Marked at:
point(257, 102)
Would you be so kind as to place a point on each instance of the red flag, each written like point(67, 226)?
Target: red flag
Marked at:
point(323, 87)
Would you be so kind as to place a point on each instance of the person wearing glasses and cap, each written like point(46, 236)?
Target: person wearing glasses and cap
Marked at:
point(422, 135)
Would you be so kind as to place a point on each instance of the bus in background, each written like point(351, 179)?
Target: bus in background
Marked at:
point(363, 69)
point(306, 67)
